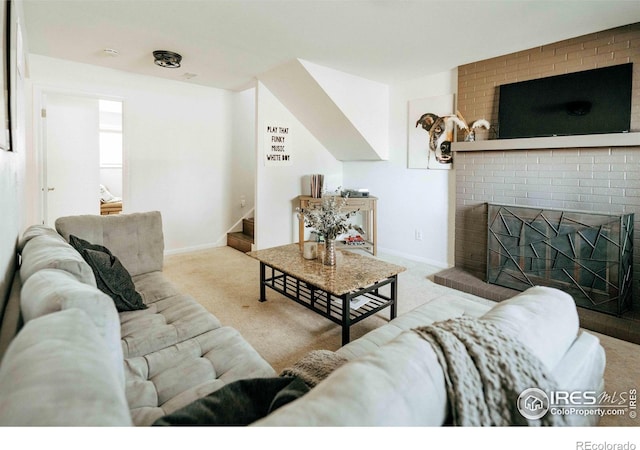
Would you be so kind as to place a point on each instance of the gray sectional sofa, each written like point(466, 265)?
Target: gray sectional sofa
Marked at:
point(393, 377)
point(75, 360)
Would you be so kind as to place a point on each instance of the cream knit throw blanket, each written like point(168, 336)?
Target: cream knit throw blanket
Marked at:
point(315, 366)
point(485, 371)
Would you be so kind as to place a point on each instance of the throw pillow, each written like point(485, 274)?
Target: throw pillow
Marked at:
point(80, 245)
point(112, 277)
point(238, 403)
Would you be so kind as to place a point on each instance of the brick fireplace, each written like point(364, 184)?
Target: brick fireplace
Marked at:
point(583, 174)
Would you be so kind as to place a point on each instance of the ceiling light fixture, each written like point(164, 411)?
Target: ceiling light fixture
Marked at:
point(165, 58)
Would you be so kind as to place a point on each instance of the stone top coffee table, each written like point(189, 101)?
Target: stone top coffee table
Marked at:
point(345, 293)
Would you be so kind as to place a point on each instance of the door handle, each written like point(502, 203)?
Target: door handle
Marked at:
point(51, 189)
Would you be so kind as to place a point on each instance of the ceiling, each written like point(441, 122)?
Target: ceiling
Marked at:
point(228, 43)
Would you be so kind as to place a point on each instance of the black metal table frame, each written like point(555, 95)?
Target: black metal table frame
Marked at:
point(333, 307)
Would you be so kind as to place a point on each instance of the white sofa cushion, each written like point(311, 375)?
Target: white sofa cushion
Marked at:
point(544, 319)
point(444, 307)
point(51, 290)
point(57, 372)
point(398, 384)
point(176, 352)
point(50, 252)
point(34, 231)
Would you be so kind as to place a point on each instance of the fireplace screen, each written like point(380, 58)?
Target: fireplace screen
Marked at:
point(587, 255)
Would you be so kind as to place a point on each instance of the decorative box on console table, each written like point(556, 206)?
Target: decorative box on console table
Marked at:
point(588, 255)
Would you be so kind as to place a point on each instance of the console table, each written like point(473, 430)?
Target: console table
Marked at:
point(366, 205)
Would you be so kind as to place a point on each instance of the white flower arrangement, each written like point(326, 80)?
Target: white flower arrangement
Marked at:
point(328, 219)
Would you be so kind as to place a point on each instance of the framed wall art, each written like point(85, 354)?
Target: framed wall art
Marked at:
point(419, 155)
point(5, 78)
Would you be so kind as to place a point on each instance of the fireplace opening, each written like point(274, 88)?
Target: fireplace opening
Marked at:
point(588, 255)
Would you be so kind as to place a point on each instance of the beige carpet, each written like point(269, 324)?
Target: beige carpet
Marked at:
point(226, 282)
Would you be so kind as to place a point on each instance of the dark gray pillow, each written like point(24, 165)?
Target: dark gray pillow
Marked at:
point(112, 277)
point(240, 402)
point(80, 245)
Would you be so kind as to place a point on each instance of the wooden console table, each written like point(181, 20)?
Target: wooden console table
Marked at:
point(366, 205)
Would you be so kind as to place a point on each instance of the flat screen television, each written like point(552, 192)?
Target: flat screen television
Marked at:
point(588, 102)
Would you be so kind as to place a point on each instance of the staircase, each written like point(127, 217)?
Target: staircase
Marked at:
point(242, 240)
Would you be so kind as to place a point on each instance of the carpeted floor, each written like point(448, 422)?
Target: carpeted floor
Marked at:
point(226, 282)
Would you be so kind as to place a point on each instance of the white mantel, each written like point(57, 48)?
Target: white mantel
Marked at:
point(590, 140)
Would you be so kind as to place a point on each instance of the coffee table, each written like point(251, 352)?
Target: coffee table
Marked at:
point(345, 293)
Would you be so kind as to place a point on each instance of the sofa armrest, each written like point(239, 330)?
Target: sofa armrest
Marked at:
point(582, 367)
point(57, 372)
point(544, 319)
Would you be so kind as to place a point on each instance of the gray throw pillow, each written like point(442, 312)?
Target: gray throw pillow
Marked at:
point(81, 245)
point(112, 277)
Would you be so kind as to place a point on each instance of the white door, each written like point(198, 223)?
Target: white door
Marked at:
point(72, 158)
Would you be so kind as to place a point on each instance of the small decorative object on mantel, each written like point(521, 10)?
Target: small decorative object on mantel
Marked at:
point(317, 181)
point(470, 130)
point(330, 221)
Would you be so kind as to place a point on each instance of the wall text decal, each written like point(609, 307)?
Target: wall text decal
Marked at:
point(278, 146)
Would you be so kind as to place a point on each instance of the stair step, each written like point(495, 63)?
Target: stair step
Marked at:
point(247, 226)
point(240, 241)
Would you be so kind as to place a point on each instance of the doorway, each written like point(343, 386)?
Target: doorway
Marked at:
point(110, 140)
point(82, 140)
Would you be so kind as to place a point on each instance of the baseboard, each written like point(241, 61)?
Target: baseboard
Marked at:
point(388, 251)
point(222, 242)
point(410, 257)
point(195, 248)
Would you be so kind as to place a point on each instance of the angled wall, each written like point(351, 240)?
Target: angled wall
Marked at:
point(279, 185)
point(347, 114)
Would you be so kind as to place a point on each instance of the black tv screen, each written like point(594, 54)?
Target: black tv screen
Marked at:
point(588, 102)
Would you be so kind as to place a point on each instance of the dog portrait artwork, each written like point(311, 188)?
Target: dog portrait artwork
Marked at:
point(440, 132)
point(440, 135)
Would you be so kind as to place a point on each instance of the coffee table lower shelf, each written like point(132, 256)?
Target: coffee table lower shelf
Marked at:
point(336, 308)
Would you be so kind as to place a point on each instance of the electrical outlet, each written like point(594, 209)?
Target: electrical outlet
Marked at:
point(243, 201)
point(418, 235)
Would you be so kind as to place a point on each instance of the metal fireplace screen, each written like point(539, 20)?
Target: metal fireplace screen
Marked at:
point(586, 255)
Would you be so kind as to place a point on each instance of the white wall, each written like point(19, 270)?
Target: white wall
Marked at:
point(243, 149)
point(364, 102)
point(189, 156)
point(278, 187)
point(410, 199)
point(177, 146)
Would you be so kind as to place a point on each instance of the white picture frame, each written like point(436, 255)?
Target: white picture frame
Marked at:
point(5, 78)
point(419, 156)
